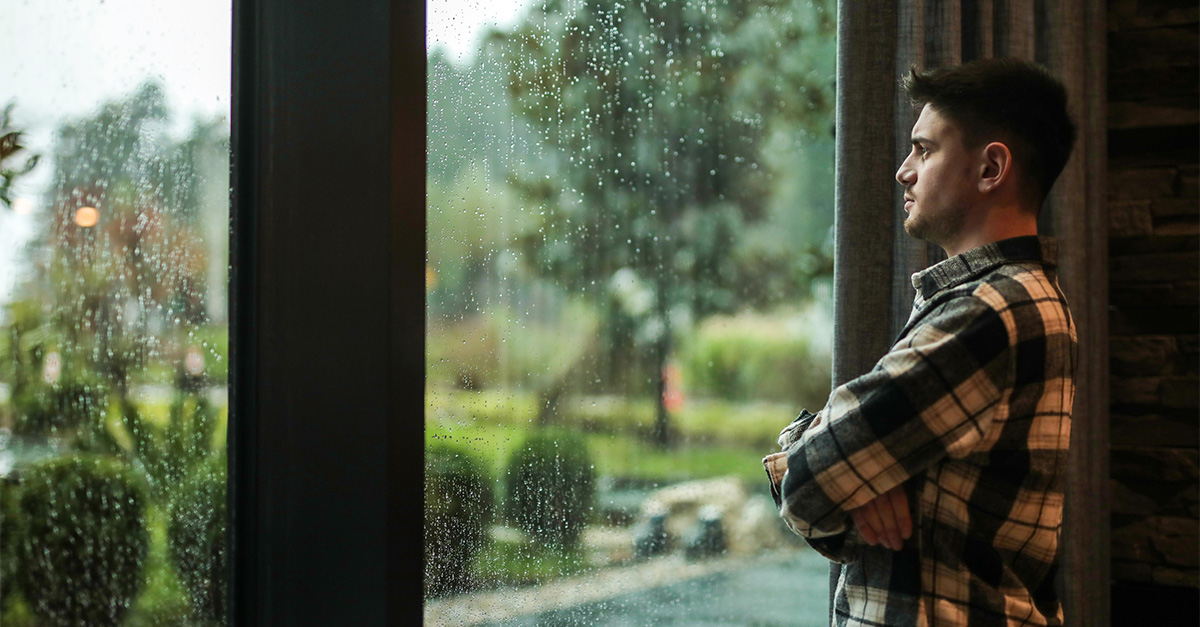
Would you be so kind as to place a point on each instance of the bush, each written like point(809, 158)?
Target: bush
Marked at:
point(751, 356)
point(167, 452)
point(11, 539)
point(72, 403)
point(86, 540)
point(551, 486)
point(197, 540)
point(503, 348)
point(458, 512)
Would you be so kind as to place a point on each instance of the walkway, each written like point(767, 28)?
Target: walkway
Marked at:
point(788, 589)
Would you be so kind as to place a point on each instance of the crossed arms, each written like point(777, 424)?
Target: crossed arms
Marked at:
point(934, 395)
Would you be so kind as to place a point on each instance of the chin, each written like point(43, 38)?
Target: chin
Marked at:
point(913, 226)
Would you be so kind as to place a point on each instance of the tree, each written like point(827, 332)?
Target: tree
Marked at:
point(122, 263)
point(654, 118)
point(10, 145)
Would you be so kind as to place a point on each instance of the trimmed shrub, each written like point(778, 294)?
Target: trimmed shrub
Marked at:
point(197, 540)
point(458, 512)
point(70, 404)
point(86, 540)
point(551, 486)
point(752, 357)
point(11, 538)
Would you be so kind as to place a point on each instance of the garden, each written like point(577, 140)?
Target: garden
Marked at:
point(113, 405)
point(628, 285)
point(629, 210)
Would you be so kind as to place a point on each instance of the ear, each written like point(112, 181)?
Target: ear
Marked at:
point(996, 167)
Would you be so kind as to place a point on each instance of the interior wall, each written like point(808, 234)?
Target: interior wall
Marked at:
point(1154, 306)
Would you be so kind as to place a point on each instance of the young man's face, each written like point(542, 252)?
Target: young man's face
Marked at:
point(938, 179)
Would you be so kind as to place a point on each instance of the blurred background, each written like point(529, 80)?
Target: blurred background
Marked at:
point(628, 291)
point(114, 239)
point(628, 288)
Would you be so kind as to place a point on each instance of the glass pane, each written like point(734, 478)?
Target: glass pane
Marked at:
point(628, 295)
point(114, 238)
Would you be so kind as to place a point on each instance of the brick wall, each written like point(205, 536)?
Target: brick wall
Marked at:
point(1154, 221)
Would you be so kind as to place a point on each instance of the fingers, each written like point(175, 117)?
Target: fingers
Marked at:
point(899, 501)
point(888, 533)
point(885, 519)
point(874, 519)
point(864, 526)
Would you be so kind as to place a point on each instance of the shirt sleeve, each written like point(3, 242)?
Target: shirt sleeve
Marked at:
point(934, 395)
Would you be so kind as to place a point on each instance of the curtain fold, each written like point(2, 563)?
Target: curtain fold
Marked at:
point(874, 257)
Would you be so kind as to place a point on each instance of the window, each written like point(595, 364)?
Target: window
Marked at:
point(627, 294)
point(113, 303)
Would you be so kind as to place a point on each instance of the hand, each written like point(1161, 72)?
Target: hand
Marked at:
point(885, 519)
point(776, 465)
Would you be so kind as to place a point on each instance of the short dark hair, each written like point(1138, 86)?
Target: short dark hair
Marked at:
point(1010, 100)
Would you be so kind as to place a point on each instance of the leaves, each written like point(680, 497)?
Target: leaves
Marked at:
point(10, 145)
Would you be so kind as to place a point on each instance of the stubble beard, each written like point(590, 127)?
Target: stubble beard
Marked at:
point(937, 229)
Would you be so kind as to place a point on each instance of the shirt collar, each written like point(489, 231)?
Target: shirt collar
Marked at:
point(975, 262)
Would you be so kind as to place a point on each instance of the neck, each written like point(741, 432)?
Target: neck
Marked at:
point(999, 223)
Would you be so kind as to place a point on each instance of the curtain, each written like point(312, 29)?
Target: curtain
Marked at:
point(874, 258)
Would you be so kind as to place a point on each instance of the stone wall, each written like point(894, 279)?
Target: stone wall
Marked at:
point(1154, 221)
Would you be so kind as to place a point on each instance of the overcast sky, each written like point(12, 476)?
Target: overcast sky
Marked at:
point(62, 58)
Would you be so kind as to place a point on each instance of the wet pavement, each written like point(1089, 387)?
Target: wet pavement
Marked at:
point(766, 592)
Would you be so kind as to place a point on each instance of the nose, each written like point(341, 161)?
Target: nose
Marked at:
point(906, 175)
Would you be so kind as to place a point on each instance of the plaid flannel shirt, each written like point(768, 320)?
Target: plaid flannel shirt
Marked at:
point(970, 411)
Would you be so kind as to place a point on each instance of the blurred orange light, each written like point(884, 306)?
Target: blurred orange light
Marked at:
point(431, 279)
point(86, 216)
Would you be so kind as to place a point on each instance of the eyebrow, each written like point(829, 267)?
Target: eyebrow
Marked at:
point(924, 141)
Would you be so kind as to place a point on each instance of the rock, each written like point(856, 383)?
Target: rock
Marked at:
point(1140, 355)
point(1158, 541)
point(650, 537)
point(759, 527)
point(683, 501)
point(1155, 464)
point(1154, 267)
point(1134, 390)
point(1142, 183)
point(1180, 392)
point(749, 523)
point(1130, 218)
point(1176, 577)
point(707, 537)
point(1126, 500)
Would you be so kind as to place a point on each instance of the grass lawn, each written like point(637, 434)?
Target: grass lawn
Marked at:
point(618, 454)
point(700, 419)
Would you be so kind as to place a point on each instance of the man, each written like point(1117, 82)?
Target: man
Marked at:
point(967, 417)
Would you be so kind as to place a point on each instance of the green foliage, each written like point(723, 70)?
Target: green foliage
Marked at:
point(10, 145)
point(100, 295)
point(197, 539)
point(86, 540)
point(702, 420)
point(169, 451)
point(458, 514)
point(756, 356)
point(656, 116)
point(512, 562)
point(12, 537)
point(551, 486)
point(632, 457)
point(78, 401)
point(495, 349)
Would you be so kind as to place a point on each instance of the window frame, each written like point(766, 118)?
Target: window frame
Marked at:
point(327, 312)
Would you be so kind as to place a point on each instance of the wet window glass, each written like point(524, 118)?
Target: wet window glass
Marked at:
point(628, 287)
point(114, 213)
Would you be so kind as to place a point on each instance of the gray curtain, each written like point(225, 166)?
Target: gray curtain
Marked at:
point(877, 43)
